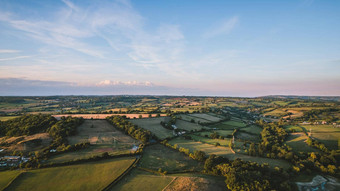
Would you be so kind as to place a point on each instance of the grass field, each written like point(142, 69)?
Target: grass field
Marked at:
point(159, 156)
point(252, 130)
point(229, 125)
point(138, 180)
point(89, 176)
point(226, 152)
point(297, 142)
point(205, 116)
point(7, 176)
point(326, 134)
point(196, 184)
point(5, 118)
point(103, 138)
point(224, 133)
point(222, 142)
point(293, 128)
point(187, 125)
point(189, 118)
point(153, 125)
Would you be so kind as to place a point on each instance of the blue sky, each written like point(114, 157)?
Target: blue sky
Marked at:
point(225, 48)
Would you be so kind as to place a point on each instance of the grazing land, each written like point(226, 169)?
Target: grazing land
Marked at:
point(170, 160)
point(297, 141)
point(139, 180)
point(188, 126)
point(89, 176)
point(7, 176)
point(153, 125)
point(102, 136)
point(205, 116)
point(326, 134)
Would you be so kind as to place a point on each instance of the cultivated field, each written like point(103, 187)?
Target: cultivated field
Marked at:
point(102, 136)
point(293, 129)
point(187, 125)
point(89, 176)
point(153, 125)
point(103, 116)
point(326, 134)
point(160, 156)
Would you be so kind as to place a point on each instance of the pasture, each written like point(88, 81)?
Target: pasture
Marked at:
point(189, 118)
point(138, 180)
point(102, 136)
point(160, 156)
point(252, 130)
point(293, 128)
point(153, 125)
point(5, 118)
point(90, 176)
point(188, 126)
point(224, 133)
point(225, 152)
point(205, 116)
point(298, 143)
point(7, 176)
point(204, 183)
point(326, 134)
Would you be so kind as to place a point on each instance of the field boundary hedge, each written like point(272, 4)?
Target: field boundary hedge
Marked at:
point(115, 181)
point(9, 184)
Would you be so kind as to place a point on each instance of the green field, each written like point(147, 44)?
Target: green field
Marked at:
point(224, 133)
point(232, 124)
point(93, 150)
point(5, 118)
point(7, 176)
point(293, 128)
point(226, 152)
point(160, 156)
point(89, 176)
point(205, 116)
point(153, 125)
point(298, 143)
point(138, 180)
point(326, 134)
point(188, 126)
point(222, 142)
point(189, 118)
point(252, 130)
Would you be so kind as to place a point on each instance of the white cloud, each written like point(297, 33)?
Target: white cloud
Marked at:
point(120, 83)
point(222, 28)
point(14, 58)
point(8, 51)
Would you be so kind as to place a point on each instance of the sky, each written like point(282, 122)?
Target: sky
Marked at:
point(158, 47)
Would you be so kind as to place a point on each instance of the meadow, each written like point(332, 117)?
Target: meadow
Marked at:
point(297, 141)
point(160, 156)
point(103, 137)
point(188, 126)
point(7, 176)
point(153, 125)
point(326, 134)
point(90, 176)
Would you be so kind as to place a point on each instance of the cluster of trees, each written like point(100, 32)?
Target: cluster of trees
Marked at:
point(129, 128)
point(318, 114)
point(242, 175)
point(67, 126)
point(26, 125)
point(215, 135)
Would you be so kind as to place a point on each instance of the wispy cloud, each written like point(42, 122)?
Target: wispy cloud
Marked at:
point(222, 28)
point(8, 51)
point(14, 58)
